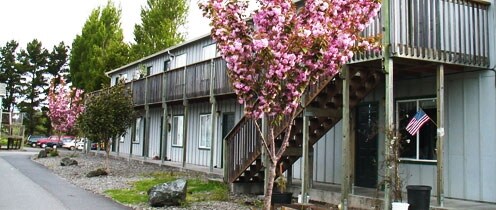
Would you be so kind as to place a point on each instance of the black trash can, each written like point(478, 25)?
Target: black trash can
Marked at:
point(419, 197)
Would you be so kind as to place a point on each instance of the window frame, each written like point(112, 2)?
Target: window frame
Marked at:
point(185, 62)
point(138, 131)
point(207, 51)
point(148, 70)
point(177, 131)
point(204, 135)
point(417, 158)
point(167, 65)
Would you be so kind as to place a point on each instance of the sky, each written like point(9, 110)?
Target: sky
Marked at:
point(53, 21)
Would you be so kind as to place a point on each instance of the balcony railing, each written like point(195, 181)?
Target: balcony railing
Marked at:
point(197, 76)
point(447, 31)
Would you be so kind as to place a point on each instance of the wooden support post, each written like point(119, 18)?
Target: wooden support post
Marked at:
point(165, 120)
point(389, 99)
point(133, 130)
point(440, 134)
point(165, 130)
point(213, 116)
point(304, 157)
point(146, 140)
point(345, 144)
point(213, 132)
point(185, 131)
point(185, 119)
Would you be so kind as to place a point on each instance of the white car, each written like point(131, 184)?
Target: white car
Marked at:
point(80, 145)
point(69, 143)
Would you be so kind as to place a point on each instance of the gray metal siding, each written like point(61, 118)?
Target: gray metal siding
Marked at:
point(471, 165)
point(154, 137)
point(193, 51)
point(470, 141)
point(225, 106)
point(196, 155)
point(174, 152)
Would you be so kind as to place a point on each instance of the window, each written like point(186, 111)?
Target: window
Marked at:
point(180, 60)
point(148, 70)
point(422, 146)
point(205, 131)
point(167, 65)
point(177, 131)
point(138, 130)
point(209, 51)
point(121, 78)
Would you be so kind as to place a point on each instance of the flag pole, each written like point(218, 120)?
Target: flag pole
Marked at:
point(432, 121)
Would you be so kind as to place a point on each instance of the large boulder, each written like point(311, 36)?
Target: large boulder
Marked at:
point(97, 172)
point(42, 154)
point(168, 194)
point(68, 162)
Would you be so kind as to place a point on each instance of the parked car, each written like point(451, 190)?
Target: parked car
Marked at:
point(52, 141)
point(32, 139)
point(80, 145)
point(69, 143)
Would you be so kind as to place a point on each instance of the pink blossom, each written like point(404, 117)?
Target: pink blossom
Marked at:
point(271, 62)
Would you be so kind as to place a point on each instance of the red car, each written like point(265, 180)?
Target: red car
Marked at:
point(52, 141)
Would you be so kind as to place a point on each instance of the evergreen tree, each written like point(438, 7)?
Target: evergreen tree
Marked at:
point(10, 74)
point(33, 63)
point(98, 49)
point(159, 28)
point(57, 60)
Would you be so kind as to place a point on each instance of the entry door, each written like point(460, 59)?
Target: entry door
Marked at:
point(227, 125)
point(366, 134)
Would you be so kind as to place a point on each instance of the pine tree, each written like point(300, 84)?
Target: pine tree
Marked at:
point(99, 48)
point(10, 73)
point(33, 63)
point(159, 28)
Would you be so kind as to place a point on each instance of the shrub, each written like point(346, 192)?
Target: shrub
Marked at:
point(53, 153)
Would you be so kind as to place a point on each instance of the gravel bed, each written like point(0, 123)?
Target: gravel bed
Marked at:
point(123, 173)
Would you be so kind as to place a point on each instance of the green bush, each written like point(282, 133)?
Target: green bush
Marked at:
point(53, 153)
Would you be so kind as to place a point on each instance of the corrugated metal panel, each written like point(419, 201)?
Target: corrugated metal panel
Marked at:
point(175, 153)
point(487, 125)
point(196, 155)
point(225, 106)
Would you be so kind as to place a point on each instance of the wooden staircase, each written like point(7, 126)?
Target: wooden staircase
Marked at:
point(243, 143)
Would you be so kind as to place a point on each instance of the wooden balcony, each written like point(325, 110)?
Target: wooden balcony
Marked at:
point(197, 77)
point(442, 31)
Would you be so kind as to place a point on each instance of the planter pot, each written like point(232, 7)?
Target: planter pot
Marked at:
point(300, 198)
point(282, 197)
point(400, 206)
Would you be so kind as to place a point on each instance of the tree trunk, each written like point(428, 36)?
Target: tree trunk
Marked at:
point(107, 151)
point(270, 185)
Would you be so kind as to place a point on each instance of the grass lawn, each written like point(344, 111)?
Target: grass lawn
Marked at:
point(3, 141)
point(197, 189)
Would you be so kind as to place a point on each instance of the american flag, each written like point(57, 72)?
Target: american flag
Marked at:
point(417, 122)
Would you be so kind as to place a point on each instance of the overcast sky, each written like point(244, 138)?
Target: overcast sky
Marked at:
point(52, 21)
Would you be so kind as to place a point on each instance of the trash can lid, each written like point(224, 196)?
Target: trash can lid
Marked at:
point(418, 187)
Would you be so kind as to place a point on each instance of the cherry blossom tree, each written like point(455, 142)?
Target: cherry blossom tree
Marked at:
point(65, 105)
point(274, 57)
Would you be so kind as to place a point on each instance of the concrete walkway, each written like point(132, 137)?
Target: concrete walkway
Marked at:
point(25, 184)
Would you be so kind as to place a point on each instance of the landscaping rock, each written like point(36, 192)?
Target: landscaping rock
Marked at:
point(68, 162)
point(42, 154)
point(97, 172)
point(168, 194)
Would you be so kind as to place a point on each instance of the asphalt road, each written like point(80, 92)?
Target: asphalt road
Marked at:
point(25, 184)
